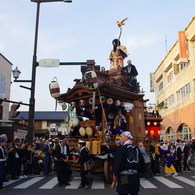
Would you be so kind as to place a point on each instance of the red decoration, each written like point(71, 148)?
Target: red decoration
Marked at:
point(109, 101)
point(139, 129)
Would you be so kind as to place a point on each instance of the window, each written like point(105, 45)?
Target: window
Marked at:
point(170, 100)
point(184, 132)
point(170, 134)
point(169, 77)
point(183, 92)
point(160, 87)
point(182, 66)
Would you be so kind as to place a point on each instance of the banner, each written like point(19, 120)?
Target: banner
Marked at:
point(2, 86)
point(182, 47)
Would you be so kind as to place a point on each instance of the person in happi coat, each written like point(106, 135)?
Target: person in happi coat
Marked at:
point(128, 163)
point(84, 159)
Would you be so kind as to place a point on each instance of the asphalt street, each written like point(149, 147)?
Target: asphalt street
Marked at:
point(161, 185)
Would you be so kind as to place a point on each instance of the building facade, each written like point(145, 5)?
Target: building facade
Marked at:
point(5, 82)
point(46, 123)
point(174, 83)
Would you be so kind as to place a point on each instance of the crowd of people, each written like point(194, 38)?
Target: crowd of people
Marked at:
point(173, 156)
point(20, 160)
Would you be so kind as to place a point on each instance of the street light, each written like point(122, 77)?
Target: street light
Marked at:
point(34, 65)
point(16, 73)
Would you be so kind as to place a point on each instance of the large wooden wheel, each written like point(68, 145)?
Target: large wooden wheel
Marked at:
point(108, 163)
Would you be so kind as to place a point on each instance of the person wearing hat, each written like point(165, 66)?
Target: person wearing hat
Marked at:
point(117, 55)
point(60, 161)
point(84, 159)
point(128, 163)
point(2, 162)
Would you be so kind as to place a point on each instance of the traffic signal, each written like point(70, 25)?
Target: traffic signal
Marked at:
point(14, 113)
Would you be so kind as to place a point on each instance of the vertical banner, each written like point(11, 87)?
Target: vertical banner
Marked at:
point(151, 82)
point(2, 86)
point(182, 46)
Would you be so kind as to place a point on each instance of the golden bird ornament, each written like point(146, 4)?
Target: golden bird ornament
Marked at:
point(121, 22)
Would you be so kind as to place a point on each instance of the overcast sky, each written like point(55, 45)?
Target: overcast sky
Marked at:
point(82, 30)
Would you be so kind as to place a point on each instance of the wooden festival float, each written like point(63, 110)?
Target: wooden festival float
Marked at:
point(93, 103)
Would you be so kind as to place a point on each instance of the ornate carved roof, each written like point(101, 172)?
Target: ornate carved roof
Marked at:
point(110, 85)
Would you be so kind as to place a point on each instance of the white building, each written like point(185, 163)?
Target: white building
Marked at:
point(5, 82)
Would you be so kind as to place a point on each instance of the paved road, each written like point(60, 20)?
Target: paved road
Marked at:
point(160, 185)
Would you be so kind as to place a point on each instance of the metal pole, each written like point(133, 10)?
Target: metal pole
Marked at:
point(32, 97)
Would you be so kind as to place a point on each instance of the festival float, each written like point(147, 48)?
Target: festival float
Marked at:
point(101, 106)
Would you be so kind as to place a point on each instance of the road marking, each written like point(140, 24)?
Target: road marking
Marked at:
point(98, 183)
point(50, 184)
point(185, 180)
point(146, 184)
point(167, 182)
point(12, 181)
point(74, 183)
point(28, 183)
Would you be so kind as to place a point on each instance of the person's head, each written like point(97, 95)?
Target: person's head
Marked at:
point(161, 142)
point(4, 136)
point(64, 141)
point(2, 142)
point(81, 143)
point(173, 147)
point(129, 62)
point(119, 111)
point(16, 141)
point(56, 139)
point(126, 135)
point(140, 144)
point(115, 43)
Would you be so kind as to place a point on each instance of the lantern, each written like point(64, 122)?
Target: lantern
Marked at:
point(82, 102)
point(161, 123)
point(64, 106)
point(102, 99)
point(146, 131)
point(148, 123)
point(91, 80)
point(117, 102)
point(123, 104)
point(54, 88)
point(73, 104)
point(109, 101)
point(155, 123)
point(91, 100)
